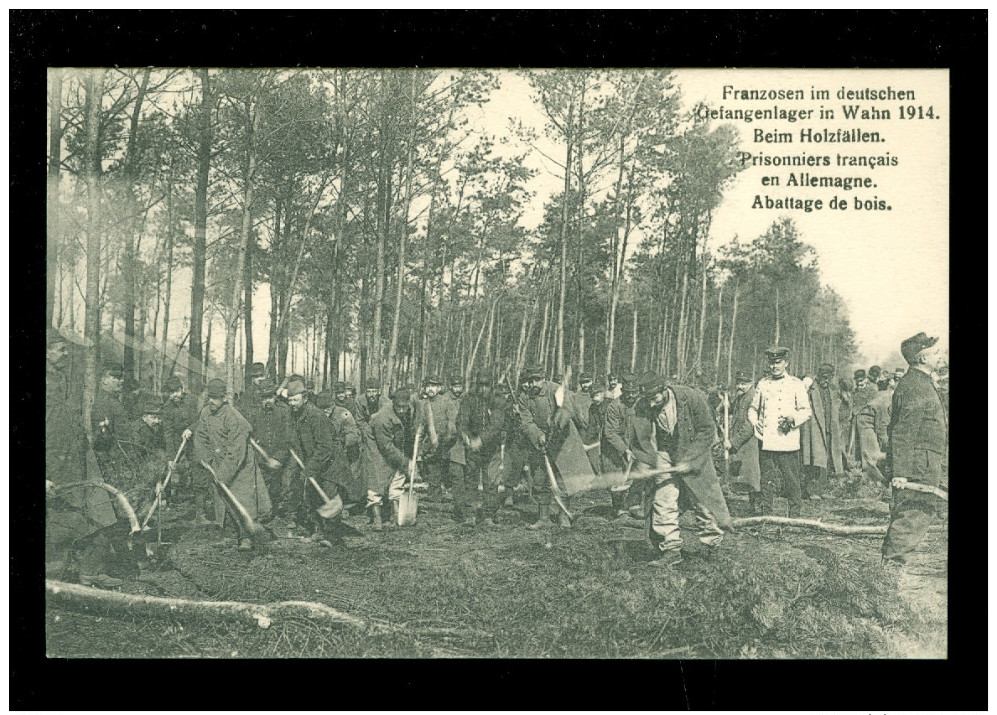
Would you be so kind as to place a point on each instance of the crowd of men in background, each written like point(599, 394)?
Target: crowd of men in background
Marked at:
point(298, 460)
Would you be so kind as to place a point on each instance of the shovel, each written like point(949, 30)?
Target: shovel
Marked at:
point(408, 502)
point(332, 507)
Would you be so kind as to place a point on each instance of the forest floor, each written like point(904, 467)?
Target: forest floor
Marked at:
point(440, 590)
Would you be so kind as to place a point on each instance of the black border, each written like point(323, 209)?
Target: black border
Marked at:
point(505, 38)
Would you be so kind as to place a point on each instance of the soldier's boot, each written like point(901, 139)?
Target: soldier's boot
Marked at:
point(619, 503)
point(543, 518)
point(394, 511)
point(375, 515)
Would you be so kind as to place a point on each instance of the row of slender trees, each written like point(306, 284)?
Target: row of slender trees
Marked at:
point(389, 230)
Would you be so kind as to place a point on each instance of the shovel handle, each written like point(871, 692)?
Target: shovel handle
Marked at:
point(554, 489)
point(160, 487)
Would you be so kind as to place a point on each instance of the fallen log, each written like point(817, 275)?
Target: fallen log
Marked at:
point(839, 529)
point(263, 614)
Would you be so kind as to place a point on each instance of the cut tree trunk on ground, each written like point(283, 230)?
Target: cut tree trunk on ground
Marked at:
point(841, 529)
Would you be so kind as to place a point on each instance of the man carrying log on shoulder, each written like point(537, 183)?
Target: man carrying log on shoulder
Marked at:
point(916, 454)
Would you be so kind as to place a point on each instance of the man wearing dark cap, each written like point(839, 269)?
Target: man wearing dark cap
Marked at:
point(373, 399)
point(544, 425)
point(221, 439)
point(745, 473)
point(75, 518)
point(864, 448)
point(179, 415)
point(249, 400)
point(480, 419)
point(917, 449)
point(585, 383)
point(346, 436)
point(109, 421)
point(673, 427)
point(780, 407)
point(271, 423)
point(617, 446)
point(592, 405)
point(514, 450)
point(820, 436)
point(436, 420)
point(312, 439)
point(387, 455)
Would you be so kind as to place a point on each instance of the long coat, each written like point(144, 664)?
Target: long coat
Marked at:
point(221, 439)
point(72, 513)
point(346, 437)
point(617, 435)
point(696, 432)
point(384, 449)
point(314, 441)
point(918, 432)
point(745, 471)
point(820, 438)
point(444, 408)
point(482, 416)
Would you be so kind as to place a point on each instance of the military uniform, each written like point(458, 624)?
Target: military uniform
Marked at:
point(109, 422)
point(917, 449)
point(820, 438)
point(745, 474)
point(681, 430)
point(386, 455)
point(480, 420)
point(221, 438)
point(313, 441)
point(436, 419)
point(778, 399)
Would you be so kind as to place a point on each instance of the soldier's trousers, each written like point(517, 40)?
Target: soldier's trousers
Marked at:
point(910, 516)
point(468, 497)
point(814, 481)
point(780, 474)
point(442, 473)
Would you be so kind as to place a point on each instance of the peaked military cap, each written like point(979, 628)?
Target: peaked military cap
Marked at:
point(295, 387)
point(257, 370)
point(216, 388)
point(324, 400)
point(910, 347)
point(776, 352)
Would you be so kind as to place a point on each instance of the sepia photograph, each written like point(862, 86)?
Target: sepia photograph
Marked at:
point(449, 362)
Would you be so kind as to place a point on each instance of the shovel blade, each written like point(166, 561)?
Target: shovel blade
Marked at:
point(408, 509)
point(332, 508)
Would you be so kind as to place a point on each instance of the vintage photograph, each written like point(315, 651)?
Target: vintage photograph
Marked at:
point(497, 363)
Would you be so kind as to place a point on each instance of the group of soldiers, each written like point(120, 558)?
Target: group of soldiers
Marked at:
point(300, 460)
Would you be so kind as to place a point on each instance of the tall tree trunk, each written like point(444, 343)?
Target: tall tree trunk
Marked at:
point(776, 313)
point(53, 236)
point(93, 83)
point(275, 367)
point(206, 361)
point(733, 328)
point(195, 363)
point(565, 198)
point(134, 222)
point(403, 232)
point(720, 329)
point(164, 338)
point(633, 352)
point(248, 189)
point(247, 312)
point(702, 314)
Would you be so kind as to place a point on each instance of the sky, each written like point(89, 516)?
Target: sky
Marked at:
point(890, 267)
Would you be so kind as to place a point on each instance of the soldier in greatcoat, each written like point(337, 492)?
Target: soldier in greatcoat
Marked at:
point(820, 436)
point(221, 439)
point(387, 455)
point(480, 420)
point(673, 426)
point(76, 518)
point(745, 471)
point(179, 415)
point(312, 439)
point(617, 449)
point(917, 449)
point(440, 451)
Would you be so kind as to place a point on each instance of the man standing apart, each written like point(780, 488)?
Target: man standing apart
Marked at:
point(743, 445)
point(820, 436)
point(780, 407)
point(916, 453)
point(221, 439)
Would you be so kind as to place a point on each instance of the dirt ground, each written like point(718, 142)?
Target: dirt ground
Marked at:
point(438, 589)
